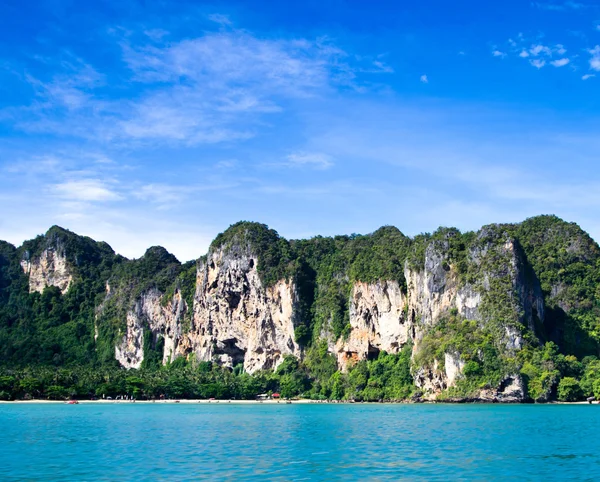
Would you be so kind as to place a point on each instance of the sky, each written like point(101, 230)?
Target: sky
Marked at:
point(147, 123)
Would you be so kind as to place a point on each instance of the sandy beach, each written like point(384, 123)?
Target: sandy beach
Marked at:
point(236, 402)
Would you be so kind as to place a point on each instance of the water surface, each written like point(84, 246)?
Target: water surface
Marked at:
point(299, 442)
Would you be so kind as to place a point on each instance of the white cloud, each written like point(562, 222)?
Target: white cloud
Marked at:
point(524, 54)
point(85, 190)
point(498, 53)
point(595, 60)
point(538, 49)
point(560, 49)
point(560, 62)
point(214, 88)
point(537, 63)
point(587, 76)
point(314, 159)
point(424, 79)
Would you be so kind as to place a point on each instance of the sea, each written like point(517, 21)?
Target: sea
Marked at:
point(294, 442)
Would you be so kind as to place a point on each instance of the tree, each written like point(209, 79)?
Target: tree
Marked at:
point(569, 390)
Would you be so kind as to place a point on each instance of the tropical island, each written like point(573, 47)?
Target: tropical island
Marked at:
point(510, 313)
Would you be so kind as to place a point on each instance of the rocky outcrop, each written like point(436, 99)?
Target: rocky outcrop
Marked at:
point(163, 321)
point(510, 390)
point(238, 320)
point(433, 380)
point(503, 284)
point(384, 318)
point(430, 380)
point(453, 367)
point(235, 319)
point(378, 320)
point(130, 351)
point(49, 269)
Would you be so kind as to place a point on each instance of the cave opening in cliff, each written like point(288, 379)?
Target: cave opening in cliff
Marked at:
point(373, 353)
point(234, 353)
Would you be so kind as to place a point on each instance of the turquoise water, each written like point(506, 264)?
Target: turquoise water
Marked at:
point(299, 442)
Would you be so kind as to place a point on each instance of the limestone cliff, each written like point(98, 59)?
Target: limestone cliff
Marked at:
point(384, 318)
point(235, 318)
point(457, 300)
point(498, 291)
point(163, 321)
point(50, 268)
point(378, 321)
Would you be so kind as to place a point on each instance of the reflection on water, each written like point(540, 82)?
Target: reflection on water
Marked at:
point(299, 442)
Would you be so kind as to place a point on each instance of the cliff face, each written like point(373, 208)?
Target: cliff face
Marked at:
point(255, 295)
point(384, 318)
point(49, 269)
point(379, 322)
point(497, 291)
point(162, 321)
point(236, 319)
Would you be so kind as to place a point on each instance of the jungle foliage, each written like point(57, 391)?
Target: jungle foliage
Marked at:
point(76, 331)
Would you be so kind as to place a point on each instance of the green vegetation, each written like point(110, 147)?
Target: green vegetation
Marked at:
point(275, 258)
point(73, 335)
point(485, 361)
point(387, 378)
point(51, 328)
point(567, 263)
point(56, 329)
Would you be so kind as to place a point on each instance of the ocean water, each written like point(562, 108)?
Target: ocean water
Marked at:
point(122, 442)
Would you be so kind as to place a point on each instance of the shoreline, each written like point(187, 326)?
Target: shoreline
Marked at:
point(268, 402)
point(175, 401)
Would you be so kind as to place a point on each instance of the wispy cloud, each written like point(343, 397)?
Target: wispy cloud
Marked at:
point(560, 62)
point(559, 7)
point(220, 19)
point(424, 79)
point(498, 53)
point(587, 76)
point(210, 89)
point(317, 160)
point(85, 190)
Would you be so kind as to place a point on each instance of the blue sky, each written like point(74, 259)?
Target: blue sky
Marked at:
point(143, 123)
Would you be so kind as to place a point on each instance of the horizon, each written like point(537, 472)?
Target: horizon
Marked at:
point(141, 123)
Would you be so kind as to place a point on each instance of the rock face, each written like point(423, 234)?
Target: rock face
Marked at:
point(355, 296)
point(163, 322)
point(378, 320)
point(236, 319)
point(384, 318)
point(50, 269)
